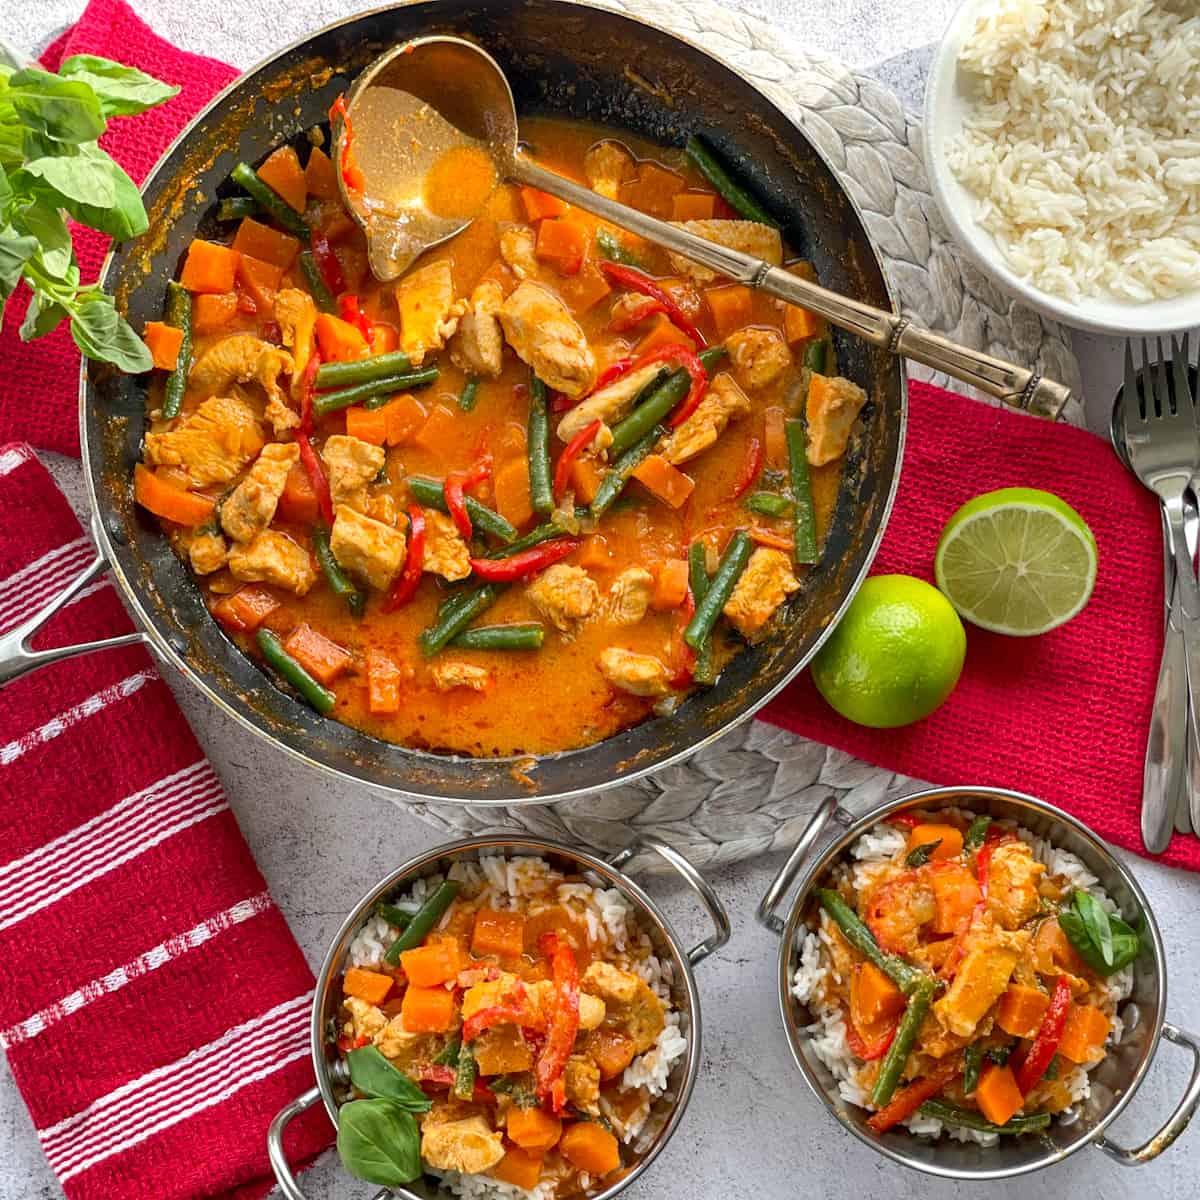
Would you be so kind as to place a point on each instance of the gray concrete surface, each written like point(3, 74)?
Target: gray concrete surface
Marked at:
point(753, 1128)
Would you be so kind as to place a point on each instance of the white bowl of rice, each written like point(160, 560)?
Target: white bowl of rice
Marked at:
point(1062, 141)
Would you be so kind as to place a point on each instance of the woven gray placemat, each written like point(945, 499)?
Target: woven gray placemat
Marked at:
point(753, 790)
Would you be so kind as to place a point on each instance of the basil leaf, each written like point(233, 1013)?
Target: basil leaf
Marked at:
point(94, 190)
point(1096, 919)
point(6, 191)
point(102, 333)
point(1085, 931)
point(42, 316)
point(47, 226)
point(58, 108)
point(976, 833)
point(920, 855)
point(122, 91)
point(373, 1075)
point(15, 251)
point(379, 1142)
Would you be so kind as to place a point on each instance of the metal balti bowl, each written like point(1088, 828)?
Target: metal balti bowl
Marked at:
point(666, 1111)
point(1114, 1081)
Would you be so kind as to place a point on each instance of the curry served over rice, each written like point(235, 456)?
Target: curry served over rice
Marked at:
point(546, 483)
point(964, 976)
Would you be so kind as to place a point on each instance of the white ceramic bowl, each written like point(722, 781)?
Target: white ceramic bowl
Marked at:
point(947, 100)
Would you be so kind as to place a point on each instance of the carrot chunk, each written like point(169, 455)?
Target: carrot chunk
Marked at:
point(427, 1009)
point(874, 998)
point(665, 482)
point(383, 683)
point(163, 342)
point(670, 585)
point(370, 986)
point(266, 244)
point(1021, 1010)
point(213, 311)
point(663, 332)
point(519, 1168)
point(653, 190)
point(693, 206)
point(209, 267)
point(533, 1128)
point(1084, 1033)
point(775, 438)
point(590, 1147)
point(949, 837)
point(799, 324)
point(170, 503)
point(539, 204)
point(405, 417)
point(322, 659)
point(564, 243)
point(299, 501)
point(997, 1094)
point(319, 178)
point(585, 479)
point(732, 307)
point(339, 340)
point(246, 609)
point(498, 933)
point(427, 966)
point(384, 338)
point(441, 430)
point(594, 554)
point(585, 289)
point(955, 894)
point(368, 424)
point(260, 281)
point(282, 173)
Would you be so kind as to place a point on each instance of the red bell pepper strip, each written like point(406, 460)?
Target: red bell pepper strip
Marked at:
point(513, 1011)
point(908, 1099)
point(750, 468)
point(456, 503)
point(438, 1076)
point(350, 310)
point(1049, 1035)
point(623, 322)
point(410, 575)
point(683, 357)
point(308, 456)
point(869, 1051)
point(639, 281)
point(574, 449)
point(564, 1022)
point(527, 562)
point(351, 175)
point(327, 263)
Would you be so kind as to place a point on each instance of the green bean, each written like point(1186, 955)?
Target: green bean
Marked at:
point(972, 1064)
point(736, 196)
point(179, 315)
point(280, 661)
point(769, 504)
point(469, 394)
point(431, 493)
point(234, 208)
point(611, 247)
point(328, 402)
point(906, 1037)
point(270, 201)
point(316, 283)
point(976, 833)
point(423, 920)
point(362, 370)
point(339, 582)
point(699, 583)
point(526, 636)
point(542, 533)
point(448, 1055)
point(540, 491)
point(618, 474)
point(816, 356)
point(457, 617)
point(655, 402)
point(464, 1074)
point(968, 1118)
point(803, 519)
point(905, 977)
point(396, 917)
point(733, 563)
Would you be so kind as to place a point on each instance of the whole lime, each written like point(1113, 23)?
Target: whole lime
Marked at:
point(895, 656)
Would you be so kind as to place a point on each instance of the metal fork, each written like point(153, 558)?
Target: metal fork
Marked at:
point(1164, 453)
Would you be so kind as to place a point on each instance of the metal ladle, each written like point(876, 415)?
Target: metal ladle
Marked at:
point(430, 95)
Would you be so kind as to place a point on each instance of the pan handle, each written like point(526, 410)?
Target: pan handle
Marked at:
point(16, 656)
point(1178, 1120)
point(275, 1152)
point(692, 877)
point(787, 873)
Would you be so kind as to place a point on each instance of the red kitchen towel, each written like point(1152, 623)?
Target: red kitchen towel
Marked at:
point(154, 1007)
point(1062, 716)
point(39, 392)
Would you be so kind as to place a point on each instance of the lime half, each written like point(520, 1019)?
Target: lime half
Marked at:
point(1018, 561)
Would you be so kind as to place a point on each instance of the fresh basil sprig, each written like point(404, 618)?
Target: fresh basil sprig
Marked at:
point(379, 1141)
point(51, 167)
point(918, 856)
point(1102, 939)
point(375, 1077)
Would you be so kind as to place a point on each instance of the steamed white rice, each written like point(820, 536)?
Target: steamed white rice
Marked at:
point(1083, 145)
point(827, 1033)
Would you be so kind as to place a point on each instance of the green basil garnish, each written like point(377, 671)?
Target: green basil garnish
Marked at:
point(920, 855)
point(1103, 940)
point(374, 1076)
point(379, 1142)
point(519, 1088)
point(976, 833)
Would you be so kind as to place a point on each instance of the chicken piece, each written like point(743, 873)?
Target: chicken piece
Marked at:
point(502, 1050)
point(765, 584)
point(428, 311)
point(272, 557)
point(759, 356)
point(383, 508)
point(212, 445)
point(446, 553)
point(350, 464)
point(244, 358)
point(478, 346)
point(548, 339)
point(748, 236)
point(638, 674)
point(403, 1048)
point(831, 412)
point(591, 1011)
point(365, 1020)
point(606, 166)
point(991, 955)
point(518, 246)
point(1013, 877)
point(207, 552)
point(632, 1005)
point(582, 1082)
point(469, 1146)
point(723, 401)
point(629, 596)
point(610, 404)
point(296, 316)
point(250, 507)
point(448, 675)
point(937, 1041)
point(367, 548)
point(564, 595)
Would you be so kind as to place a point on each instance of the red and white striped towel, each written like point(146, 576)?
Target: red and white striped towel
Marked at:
point(153, 1004)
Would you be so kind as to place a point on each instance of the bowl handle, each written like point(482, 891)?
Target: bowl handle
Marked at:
point(694, 880)
point(1178, 1120)
point(787, 873)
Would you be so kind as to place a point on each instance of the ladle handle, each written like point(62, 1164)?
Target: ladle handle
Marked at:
point(1015, 386)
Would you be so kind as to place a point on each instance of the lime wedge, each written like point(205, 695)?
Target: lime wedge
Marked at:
point(1018, 561)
